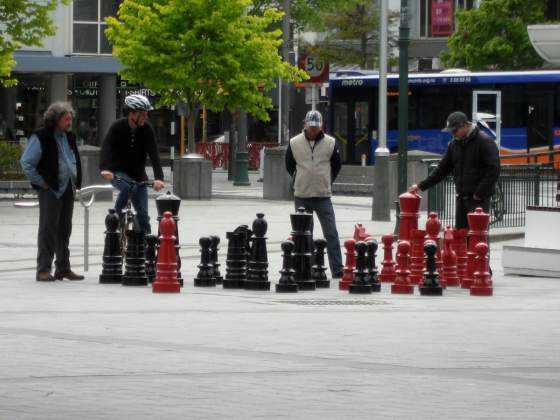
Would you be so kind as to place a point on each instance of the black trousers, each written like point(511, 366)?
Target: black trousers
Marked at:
point(55, 227)
point(466, 205)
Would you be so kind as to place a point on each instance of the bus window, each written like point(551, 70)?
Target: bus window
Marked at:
point(340, 126)
point(513, 115)
point(361, 141)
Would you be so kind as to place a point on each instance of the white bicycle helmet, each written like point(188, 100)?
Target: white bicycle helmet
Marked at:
point(137, 103)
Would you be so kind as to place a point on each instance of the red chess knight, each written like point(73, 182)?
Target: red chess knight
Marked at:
point(166, 275)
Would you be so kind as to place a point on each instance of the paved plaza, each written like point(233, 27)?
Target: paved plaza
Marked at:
point(82, 350)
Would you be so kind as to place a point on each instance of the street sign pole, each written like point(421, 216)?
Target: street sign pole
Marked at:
point(403, 95)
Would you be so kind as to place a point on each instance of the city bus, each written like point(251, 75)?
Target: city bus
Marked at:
point(530, 110)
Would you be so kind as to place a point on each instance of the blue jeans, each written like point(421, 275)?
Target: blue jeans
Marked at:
point(138, 197)
point(325, 213)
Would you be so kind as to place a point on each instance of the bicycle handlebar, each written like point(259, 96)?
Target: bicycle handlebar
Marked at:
point(148, 183)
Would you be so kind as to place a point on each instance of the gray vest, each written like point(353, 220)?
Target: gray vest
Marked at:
point(313, 166)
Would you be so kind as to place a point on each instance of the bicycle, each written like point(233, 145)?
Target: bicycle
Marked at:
point(128, 218)
point(497, 202)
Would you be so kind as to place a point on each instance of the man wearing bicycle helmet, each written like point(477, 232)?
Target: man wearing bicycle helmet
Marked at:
point(123, 155)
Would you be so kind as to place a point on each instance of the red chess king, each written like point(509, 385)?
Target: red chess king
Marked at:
point(166, 275)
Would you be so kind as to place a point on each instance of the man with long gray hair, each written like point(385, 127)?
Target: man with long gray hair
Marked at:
point(52, 163)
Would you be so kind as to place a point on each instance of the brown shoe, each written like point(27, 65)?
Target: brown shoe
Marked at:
point(70, 275)
point(44, 276)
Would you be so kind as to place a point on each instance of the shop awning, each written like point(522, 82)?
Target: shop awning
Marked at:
point(45, 62)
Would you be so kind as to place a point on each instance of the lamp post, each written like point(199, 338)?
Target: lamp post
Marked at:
point(381, 208)
point(404, 40)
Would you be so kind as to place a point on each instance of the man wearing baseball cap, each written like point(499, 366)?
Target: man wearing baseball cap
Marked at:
point(474, 160)
point(313, 161)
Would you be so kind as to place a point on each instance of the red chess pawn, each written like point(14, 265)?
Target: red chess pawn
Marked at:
point(478, 232)
point(409, 204)
point(460, 248)
point(166, 275)
point(388, 274)
point(417, 256)
point(433, 227)
point(402, 283)
point(449, 258)
point(481, 286)
point(348, 270)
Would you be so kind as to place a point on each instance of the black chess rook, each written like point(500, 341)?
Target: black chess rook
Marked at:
point(135, 261)
point(301, 235)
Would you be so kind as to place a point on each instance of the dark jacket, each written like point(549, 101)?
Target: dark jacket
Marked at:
point(48, 164)
point(474, 163)
point(125, 151)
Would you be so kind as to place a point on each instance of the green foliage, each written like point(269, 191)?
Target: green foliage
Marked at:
point(352, 34)
point(494, 37)
point(23, 22)
point(201, 52)
point(304, 14)
point(10, 154)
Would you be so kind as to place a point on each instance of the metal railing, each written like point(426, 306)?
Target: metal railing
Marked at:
point(86, 197)
point(518, 186)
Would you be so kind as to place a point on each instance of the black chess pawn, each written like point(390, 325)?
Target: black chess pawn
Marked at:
point(112, 254)
point(318, 269)
point(236, 260)
point(257, 270)
point(301, 235)
point(371, 266)
point(360, 283)
point(205, 276)
point(287, 282)
point(151, 246)
point(214, 258)
point(431, 286)
point(135, 261)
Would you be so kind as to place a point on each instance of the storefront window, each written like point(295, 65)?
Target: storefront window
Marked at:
point(89, 25)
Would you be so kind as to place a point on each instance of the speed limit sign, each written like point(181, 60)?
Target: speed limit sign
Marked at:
point(317, 69)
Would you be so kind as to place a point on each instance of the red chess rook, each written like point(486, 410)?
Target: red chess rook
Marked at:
point(478, 232)
point(348, 271)
point(166, 274)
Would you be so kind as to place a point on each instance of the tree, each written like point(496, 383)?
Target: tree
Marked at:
point(22, 23)
point(305, 14)
point(494, 36)
point(351, 34)
point(201, 53)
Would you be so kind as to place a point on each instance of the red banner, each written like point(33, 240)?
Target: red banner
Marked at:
point(442, 17)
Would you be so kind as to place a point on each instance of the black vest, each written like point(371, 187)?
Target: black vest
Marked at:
point(48, 164)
